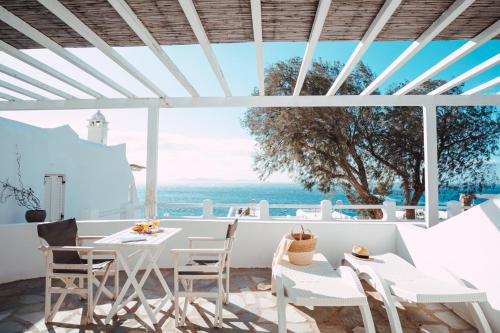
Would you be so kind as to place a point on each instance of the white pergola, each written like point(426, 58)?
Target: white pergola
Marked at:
point(130, 100)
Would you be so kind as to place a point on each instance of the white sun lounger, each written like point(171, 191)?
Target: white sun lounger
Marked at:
point(396, 279)
point(318, 284)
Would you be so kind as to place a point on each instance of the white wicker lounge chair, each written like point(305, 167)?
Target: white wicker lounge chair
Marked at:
point(396, 279)
point(319, 284)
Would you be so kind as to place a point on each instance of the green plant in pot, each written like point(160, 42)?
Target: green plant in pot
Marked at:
point(24, 196)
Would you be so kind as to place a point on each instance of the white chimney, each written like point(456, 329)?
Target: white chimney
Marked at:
point(98, 128)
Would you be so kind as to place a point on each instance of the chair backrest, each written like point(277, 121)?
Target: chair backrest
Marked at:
point(231, 229)
point(61, 233)
point(228, 244)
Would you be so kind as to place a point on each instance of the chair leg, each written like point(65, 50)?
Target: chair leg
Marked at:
point(90, 299)
point(188, 287)
point(220, 301)
point(48, 298)
point(176, 298)
point(226, 294)
point(81, 285)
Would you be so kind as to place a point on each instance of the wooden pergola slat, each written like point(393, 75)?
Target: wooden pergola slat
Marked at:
point(7, 97)
point(13, 52)
point(482, 67)
point(482, 87)
point(195, 22)
point(257, 36)
point(377, 25)
point(27, 79)
point(461, 52)
point(76, 24)
point(21, 90)
point(319, 20)
point(135, 24)
point(49, 44)
point(458, 7)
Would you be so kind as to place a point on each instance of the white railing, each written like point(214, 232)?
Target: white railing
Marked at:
point(325, 211)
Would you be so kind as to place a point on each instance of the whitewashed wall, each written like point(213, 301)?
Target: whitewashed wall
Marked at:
point(468, 246)
point(97, 176)
point(254, 247)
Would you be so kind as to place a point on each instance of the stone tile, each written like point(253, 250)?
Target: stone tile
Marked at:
point(4, 314)
point(434, 329)
point(250, 309)
point(420, 316)
point(452, 320)
point(435, 307)
point(11, 326)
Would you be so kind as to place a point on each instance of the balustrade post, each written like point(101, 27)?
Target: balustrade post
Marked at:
point(208, 209)
point(453, 208)
point(264, 210)
point(389, 211)
point(326, 210)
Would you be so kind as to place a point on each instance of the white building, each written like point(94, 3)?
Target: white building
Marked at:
point(72, 177)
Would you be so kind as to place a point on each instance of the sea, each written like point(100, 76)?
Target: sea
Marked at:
point(274, 193)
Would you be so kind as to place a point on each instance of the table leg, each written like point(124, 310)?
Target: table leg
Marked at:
point(130, 276)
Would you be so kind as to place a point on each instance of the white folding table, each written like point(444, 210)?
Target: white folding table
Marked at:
point(148, 251)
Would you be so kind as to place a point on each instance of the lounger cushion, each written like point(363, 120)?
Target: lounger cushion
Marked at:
point(409, 283)
point(318, 284)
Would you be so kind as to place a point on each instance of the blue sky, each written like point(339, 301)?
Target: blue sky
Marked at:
point(202, 143)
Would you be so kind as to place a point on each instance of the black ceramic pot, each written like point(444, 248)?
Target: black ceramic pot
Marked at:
point(36, 215)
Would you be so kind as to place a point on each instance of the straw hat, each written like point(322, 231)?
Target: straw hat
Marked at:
point(360, 252)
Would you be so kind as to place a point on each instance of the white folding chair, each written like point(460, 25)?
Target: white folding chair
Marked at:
point(203, 264)
point(68, 261)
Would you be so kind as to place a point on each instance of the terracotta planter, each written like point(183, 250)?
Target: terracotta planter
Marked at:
point(35, 215)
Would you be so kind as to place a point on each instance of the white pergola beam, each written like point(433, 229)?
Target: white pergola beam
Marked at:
point(484, 66)
point(482, 87)
point(319, 21)
point(25, 78)
point(83, 30)
point(257, 36)
point(138, 27)
point(15, 53)
point(21, 91)
point(197, 27)
point(23, 27)
point(480, 39)
point(7, 97)
point(431, 171)
point(457, 8)
point(152, 162)
point(377, 25)
point(254, 101)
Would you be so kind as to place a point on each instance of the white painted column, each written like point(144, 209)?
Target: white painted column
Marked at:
point(152, 162)
point(431, 165)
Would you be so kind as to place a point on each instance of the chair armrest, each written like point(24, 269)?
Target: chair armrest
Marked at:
point(90, 237)
point(206, 239)
point(67, 248)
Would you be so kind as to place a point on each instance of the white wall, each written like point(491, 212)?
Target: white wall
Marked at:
point(97, 176)
point(254, 247)
point(467, 245)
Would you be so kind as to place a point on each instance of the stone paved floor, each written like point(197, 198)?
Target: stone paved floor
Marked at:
point(249, 310)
